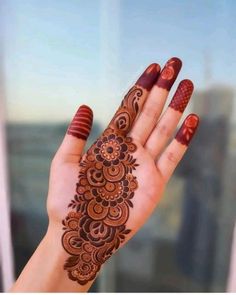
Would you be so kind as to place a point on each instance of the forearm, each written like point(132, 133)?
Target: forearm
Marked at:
point(44, 271)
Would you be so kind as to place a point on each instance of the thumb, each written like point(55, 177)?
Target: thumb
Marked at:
point(76, 136)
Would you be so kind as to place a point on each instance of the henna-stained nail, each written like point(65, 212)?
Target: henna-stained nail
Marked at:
point(169, 73)
point(149, 77)
point(82, 122)
point(187, 130)
point(182, 96)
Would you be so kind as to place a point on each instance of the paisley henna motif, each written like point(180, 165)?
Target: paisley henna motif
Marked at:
point(127, 112)
point(96, 225)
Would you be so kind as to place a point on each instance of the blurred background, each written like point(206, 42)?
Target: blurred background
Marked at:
point(58, 54)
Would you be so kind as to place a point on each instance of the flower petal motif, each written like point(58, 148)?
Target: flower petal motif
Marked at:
point(103, 198)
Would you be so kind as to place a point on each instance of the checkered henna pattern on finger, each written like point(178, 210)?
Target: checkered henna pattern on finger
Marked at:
point(182, 96)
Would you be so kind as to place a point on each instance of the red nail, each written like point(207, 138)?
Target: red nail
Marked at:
point(188, 129)
point(182, 96)
point(149, 77)
point(169, 73)
point(82, 122)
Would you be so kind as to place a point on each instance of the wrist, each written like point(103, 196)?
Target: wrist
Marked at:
point(45, 270)
point(53, 242)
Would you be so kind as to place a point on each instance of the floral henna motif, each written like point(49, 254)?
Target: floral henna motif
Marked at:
point(96, 225)
point(187, 130)
point(169, 73)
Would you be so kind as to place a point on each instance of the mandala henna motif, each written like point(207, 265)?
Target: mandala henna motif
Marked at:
point(96, 226)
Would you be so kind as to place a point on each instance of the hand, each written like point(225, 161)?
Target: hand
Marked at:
point(105, 196)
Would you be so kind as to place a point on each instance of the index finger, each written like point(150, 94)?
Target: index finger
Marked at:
point(134, 100)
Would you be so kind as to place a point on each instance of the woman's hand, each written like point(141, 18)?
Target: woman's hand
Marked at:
point(99, 200)
point(120, 179)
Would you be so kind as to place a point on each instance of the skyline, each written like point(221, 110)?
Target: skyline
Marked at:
point(63, 54)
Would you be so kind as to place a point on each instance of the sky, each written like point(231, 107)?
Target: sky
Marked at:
point(59, 54)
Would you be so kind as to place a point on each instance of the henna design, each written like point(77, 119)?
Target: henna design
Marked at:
point(125, 116)
point(182, 96)
point(169, 73)
point(82, 122)
point(96, 225)
point(149, 77)
point(187, 130)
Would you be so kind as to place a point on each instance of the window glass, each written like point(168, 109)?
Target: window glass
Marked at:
point(61, 54)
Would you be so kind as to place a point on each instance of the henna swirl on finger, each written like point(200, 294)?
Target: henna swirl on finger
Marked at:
point(126, 114)
point(96, 225)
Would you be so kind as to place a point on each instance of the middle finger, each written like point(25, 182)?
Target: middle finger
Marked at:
point(156, 101)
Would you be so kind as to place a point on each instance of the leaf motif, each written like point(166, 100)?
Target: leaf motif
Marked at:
point(131, 195)
point(130, 203)
point(117, 244)
point(127, 231)
point(71, 261)
point(130, 163)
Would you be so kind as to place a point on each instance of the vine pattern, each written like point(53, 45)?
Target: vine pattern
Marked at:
point(96, 225)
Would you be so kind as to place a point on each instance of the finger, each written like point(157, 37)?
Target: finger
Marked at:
point(156, 101)
point(134, 100)
point(176, 149)
point(77, 134)
point(170, 119)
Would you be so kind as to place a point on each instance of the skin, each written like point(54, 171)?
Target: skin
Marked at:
point(150, 133)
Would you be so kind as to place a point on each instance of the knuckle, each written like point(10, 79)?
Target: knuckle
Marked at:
point(163, 130)
point(171, 157)
point(149, 111)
